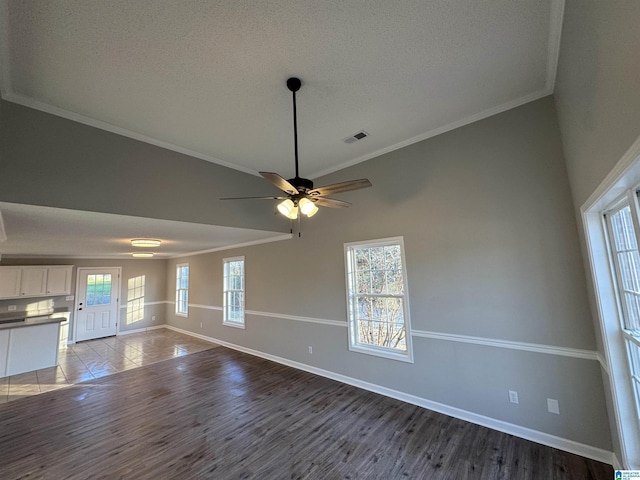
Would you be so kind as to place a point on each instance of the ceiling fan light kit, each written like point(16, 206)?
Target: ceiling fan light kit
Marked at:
point(307, 207)
point(288, 209)
point(301, 197)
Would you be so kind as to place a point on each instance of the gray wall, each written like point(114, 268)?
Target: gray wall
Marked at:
point(598, 89)
point(155, 287)
point(491, 251)
point(598, 101)
point(52, 161)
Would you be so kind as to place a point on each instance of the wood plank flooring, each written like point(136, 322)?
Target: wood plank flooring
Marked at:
point(221, 414)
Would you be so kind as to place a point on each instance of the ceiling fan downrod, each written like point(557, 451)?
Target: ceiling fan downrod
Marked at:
point(300, 197)
point(294, 84)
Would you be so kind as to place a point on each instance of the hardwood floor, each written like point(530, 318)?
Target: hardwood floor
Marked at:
point(221, 414)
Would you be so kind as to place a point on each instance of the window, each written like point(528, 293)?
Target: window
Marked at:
point(377, 300)
point(233, 292)
point(135, 299)
point(98, 289)
point(182, 289)
point(623, 226)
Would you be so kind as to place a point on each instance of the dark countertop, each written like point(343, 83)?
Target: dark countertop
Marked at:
point(29, 319)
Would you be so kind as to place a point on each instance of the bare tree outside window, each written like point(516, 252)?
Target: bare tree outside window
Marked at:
point(377, 296)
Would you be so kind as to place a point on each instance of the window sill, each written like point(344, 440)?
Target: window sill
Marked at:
point(401, 357)
point(234, 324)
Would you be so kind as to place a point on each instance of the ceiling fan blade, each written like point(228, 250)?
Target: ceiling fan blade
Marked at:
point(280, 182)
point(254, 198)
point(340, 187)
point(329, 202)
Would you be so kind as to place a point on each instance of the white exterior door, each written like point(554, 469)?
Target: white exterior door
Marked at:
point(97, 303)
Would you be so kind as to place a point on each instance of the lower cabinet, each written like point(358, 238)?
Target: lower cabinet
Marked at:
point(29, 348)
point(4, 350)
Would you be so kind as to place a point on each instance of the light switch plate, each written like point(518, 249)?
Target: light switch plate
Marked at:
point(69, 297)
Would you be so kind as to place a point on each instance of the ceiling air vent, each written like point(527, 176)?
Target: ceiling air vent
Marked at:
point(358, 136)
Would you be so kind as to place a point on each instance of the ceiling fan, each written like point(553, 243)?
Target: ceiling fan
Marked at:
point(301, 196)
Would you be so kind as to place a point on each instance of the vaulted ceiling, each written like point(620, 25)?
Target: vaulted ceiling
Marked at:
point(208, 77)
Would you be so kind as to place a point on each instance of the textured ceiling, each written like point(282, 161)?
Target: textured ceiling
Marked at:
point(50, 232)
point(208, 77)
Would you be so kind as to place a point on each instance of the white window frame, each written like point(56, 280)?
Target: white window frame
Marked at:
point(226, 291)
point(624, 176)
point(350, 270)
point(631, 337)
point(184, 313)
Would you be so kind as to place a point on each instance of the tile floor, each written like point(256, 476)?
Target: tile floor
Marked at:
point(97, 358)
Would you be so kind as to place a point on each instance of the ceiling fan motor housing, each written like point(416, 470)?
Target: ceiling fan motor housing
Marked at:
point(301, 183)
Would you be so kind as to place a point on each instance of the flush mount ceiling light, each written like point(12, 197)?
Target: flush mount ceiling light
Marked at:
point(301, 196)
point(145, 242)
point(142, 255)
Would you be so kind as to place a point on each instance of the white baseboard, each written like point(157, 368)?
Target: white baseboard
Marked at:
point(617, 464)
point(570, 446)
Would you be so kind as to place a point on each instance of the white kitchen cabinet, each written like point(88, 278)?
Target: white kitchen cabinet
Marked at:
point(32, 348)
point(4, 351)
point(59, 280)
point(35, 281)
point(10, 282)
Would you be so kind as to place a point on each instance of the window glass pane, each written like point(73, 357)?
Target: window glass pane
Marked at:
point(632, 317)
point(98, 290)
point(182, 286)
point(363, 281)
point(629, 264)
point(376, 297)
point(634, 357)
point(362, 259)
point(622, 226)
point(377, 281)
point(376, 257)
point(392, 257)
point(233, 291)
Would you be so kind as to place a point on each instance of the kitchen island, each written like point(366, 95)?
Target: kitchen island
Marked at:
point(29, 342)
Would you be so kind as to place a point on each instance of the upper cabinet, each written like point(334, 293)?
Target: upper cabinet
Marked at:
point(59, 280)
point(35, 281)
point(10, 282)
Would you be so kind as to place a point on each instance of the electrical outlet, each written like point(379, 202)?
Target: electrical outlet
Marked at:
point(200, 324)
point(553, 406)
point(153, 318)
point(310, 349)
point(12, 308)
point(68, 298)
point(513, 397)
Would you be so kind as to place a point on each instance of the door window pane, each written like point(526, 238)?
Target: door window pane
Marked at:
point(98, 289)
